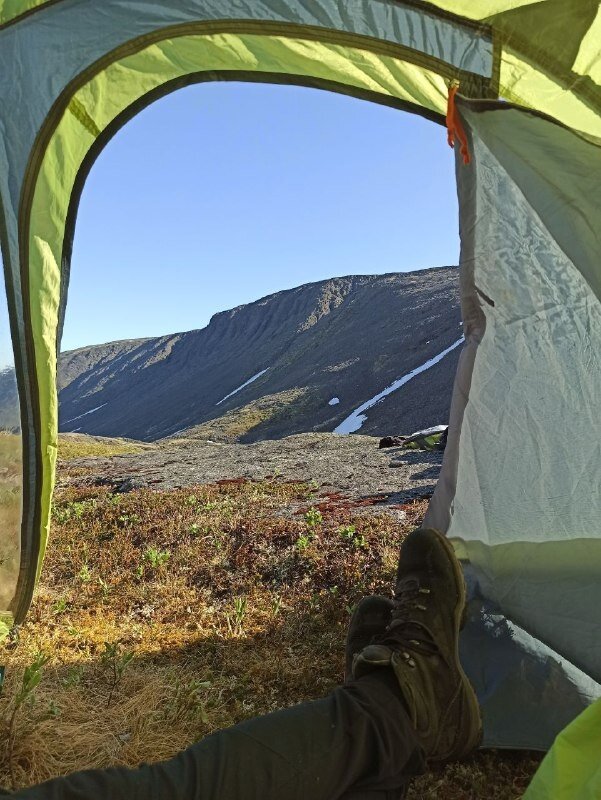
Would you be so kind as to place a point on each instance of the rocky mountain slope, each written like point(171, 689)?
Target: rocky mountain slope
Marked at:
point(298, 360)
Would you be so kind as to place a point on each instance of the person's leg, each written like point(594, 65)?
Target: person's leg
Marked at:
point(421, 644)
point(417, 635)
point(359, 736)
point(370, 619)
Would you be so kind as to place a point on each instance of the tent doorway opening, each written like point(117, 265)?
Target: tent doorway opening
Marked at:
point(221, 194)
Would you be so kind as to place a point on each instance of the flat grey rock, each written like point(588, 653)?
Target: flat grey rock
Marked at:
point(352, 465)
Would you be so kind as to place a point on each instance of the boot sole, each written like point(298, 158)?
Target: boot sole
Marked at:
point(473, 737)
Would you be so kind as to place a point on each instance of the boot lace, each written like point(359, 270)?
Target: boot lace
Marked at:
point(406, 633)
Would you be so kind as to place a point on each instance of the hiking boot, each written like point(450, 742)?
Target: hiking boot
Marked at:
point(370, 618)
point(421, 646)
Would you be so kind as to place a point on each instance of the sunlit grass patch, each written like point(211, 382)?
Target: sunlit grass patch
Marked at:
point(75, 445)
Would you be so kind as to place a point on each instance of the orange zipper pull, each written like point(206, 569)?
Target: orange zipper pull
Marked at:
point(455, 129)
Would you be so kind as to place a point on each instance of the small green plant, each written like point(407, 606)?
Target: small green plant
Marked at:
point(315, 601)
point(73, 510)
point(85, 574)
point(313, 517)
point(194, 529)
point(303, 542)
point(156, 558)
point(235, 621)
point(188, 701)
point(106, 589)
point(128, 520)
point(191, 500)
point(60, 606)
point(239, 609)
point(74, 676)
point(276, 605)
point(53, 710)
point(349, 534)
point(115, 661)
point(32, 675)
point(61, 515)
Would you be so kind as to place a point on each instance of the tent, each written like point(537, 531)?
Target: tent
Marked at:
point(519, 492)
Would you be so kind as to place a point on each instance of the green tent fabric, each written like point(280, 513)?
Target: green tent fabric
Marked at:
point(571, 770)
point(518, 493)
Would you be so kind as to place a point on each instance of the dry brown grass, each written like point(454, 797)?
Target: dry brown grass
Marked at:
point(231, 604)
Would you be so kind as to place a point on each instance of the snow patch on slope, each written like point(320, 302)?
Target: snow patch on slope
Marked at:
point(355, 420)
point(334, 401)
point(85, 414)
point(243, 386)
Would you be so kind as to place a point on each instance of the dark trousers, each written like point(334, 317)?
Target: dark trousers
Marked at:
point(356, 744)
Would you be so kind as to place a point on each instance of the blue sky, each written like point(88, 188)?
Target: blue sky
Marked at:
point(222, 193)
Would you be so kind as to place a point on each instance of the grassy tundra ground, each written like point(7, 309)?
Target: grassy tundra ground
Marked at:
point(166, 615)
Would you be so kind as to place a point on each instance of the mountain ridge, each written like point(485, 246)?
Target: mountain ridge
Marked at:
point(269, 368)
